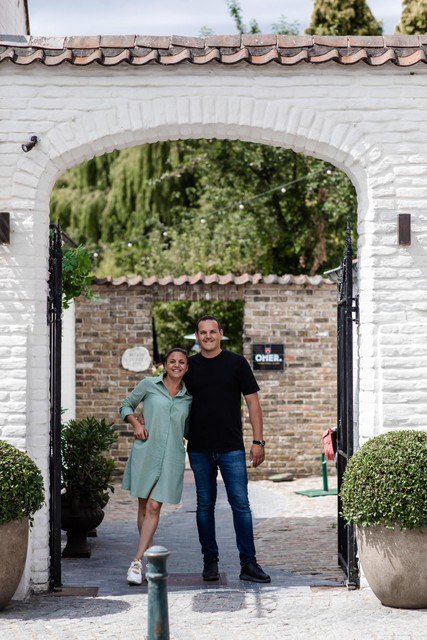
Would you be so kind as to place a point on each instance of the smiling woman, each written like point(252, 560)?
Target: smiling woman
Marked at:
point(155, 469)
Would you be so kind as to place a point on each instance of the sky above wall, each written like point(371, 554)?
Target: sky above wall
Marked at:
point(176, 17)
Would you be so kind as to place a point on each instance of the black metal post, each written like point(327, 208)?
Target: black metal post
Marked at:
point(158, 616)
point(55, 333)
point(346, 537)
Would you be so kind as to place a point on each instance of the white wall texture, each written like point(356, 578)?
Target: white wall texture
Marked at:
point(13, 17)
point(370, 122)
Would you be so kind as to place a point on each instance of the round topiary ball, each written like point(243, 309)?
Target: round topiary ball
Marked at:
point(21, 485)
point(385, 482)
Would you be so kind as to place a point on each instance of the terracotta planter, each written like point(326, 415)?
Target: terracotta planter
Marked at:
point(394, 563)
point(13, 554)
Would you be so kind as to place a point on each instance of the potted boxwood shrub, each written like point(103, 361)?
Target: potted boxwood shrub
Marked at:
point(21, 495)
point(384, 493)
point(87, 477)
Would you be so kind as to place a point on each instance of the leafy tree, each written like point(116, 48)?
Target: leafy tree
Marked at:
point(282, 26)
point(219, 206)
point(174, 320)
point(413, 20)
point(211, 205)
point(342, 17)
point(236, 13)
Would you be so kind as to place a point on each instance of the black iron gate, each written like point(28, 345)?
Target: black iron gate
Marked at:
point(54, 318)
point(347, 314)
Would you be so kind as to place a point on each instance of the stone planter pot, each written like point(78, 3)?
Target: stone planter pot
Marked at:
point(13, 554)
point(394, 563)
point(78, 520)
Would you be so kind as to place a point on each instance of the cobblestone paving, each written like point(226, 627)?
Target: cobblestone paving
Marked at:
point(295, 539)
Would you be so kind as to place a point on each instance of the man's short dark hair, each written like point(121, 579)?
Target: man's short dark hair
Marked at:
point(203, 318)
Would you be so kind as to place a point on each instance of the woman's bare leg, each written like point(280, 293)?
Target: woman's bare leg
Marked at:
point(148, 526)
point(142, 506)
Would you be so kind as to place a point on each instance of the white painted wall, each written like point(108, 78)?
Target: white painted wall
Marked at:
point(371, 122)
point(13, 17)
point(68, 364)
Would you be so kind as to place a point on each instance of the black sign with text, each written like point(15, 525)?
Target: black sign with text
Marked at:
point(268, 357)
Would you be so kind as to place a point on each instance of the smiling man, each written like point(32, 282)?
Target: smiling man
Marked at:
point(217, 379)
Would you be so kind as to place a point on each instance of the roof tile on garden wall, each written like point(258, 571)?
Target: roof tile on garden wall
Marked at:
point(214, 278)
point(252, 49)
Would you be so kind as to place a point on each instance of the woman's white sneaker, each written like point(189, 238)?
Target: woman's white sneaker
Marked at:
point(134, 575)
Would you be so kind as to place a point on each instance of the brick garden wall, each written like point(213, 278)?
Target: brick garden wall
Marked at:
point(298, 403)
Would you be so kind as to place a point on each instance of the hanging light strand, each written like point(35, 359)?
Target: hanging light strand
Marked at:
point(241, 204)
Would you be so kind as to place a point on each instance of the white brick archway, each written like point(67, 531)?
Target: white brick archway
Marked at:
point(358, 118)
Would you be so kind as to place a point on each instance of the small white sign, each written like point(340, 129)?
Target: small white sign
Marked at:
point(136, 359)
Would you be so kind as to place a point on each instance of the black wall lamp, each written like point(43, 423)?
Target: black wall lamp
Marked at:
point(4, 227)
point(404, 229)
point(30, 145)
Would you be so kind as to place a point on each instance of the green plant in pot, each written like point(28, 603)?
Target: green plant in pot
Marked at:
point(384, 493)
point(87, 479)
point(21, 495)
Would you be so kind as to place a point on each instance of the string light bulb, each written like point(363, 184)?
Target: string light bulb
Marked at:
point(241, 205)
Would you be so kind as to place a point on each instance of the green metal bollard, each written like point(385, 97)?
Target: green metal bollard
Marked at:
point(324, 473)
point(156, 574)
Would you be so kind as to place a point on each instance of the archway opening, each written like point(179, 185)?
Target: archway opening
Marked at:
point(168, 234)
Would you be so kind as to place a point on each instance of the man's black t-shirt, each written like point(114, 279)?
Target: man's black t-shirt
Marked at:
point(216, 385)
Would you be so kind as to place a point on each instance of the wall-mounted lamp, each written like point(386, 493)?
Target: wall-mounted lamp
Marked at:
point(30, 145)
point(404, 229)
point(4, 227)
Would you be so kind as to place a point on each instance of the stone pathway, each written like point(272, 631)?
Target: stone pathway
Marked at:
point(296, 542)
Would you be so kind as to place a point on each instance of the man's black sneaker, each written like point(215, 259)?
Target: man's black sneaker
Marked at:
point(210, 570)
point(253, 572)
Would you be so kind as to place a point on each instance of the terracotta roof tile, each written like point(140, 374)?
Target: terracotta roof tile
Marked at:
point(212, 54)
point(175, 58)
point(258, 40)
point(254, 49)
point(233, 57)
point(111, 60)
point(222, 280)
point(366, 41)
point(118, 42)
point(188, 42)
point(292, 42)
point(82, 42)
point(148, 56)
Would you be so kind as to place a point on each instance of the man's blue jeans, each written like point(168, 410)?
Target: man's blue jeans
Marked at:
point(232, 466)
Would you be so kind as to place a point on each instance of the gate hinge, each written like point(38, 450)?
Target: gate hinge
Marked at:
point(355, 309)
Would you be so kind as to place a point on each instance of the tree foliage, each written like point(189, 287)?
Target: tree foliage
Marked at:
point(76, 275)
point(206, 205)
point(413, 20)
point(211, 205)
point(282, 26)
point(343, 17)
point(185, 206)
point(174, 320)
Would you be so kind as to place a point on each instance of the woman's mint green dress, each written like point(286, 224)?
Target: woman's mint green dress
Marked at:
point(159, 460)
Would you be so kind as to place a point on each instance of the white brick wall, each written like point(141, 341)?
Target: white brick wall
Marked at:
point(370, 122)
point(13, 17)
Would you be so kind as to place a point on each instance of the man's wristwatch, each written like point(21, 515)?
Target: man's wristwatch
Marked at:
point(260, 442)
